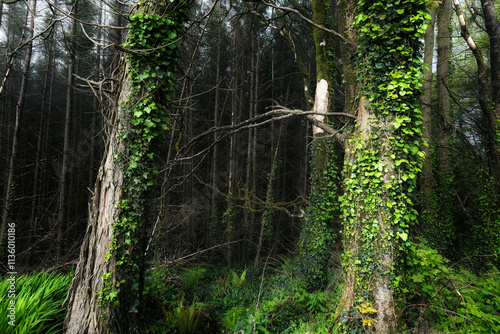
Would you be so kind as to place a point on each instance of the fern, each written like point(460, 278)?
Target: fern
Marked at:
point(238, 280)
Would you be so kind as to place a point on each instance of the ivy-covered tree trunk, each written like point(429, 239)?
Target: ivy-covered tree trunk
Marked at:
point(382, 161)
point(317, 228)
point(105, 295)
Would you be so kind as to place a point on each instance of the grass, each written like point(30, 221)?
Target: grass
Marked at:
point(38, 303)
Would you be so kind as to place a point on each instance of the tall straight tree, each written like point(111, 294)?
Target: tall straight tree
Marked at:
point(427, 177)
point(493, 29)
point(444, 173)
point(105, 295)
point(63, 181)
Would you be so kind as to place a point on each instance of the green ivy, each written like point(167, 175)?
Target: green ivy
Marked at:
point(486, 232)
point(154, 38)
point(385, 156)
point(317, 231)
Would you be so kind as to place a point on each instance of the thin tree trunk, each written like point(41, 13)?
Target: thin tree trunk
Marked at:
point(31, 8)
point(493, 28)
point(254, 141)
point(444, 174)
point(247, 218)
point(443, 72)
point(427, 177)
point(63, 182)
point(267, 216)
point(94, 132)
point(483, 91)
point(213, 195)
point(37, 184)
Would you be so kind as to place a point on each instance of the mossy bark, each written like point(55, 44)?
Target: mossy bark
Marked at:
point(321, 41)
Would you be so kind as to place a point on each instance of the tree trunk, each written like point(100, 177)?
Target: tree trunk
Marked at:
point(442, 232)
point(493, 28)
point(427, 177)
point(83, 315)
point(37, 184)
point(106, 292)
point(316, 234)
point(382, 161)
point(63, 181)
point(267, 216)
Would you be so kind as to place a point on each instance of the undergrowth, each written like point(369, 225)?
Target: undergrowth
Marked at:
point(271, 299)
point(440, 298)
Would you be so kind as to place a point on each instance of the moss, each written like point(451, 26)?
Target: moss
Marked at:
point(320, 17)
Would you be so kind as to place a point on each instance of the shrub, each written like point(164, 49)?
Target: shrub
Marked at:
point(191, 277)
point(185, 318)
point(451, 300)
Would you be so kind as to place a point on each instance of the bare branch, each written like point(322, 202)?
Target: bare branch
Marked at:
point(293, 10)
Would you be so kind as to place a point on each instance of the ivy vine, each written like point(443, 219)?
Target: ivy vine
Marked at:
point(154, 39)
point(385, 156)
point(317, 233)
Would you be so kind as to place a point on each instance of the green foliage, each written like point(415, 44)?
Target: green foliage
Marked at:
point(222, 285)
point(238, 280)
point(191, 277)
point(451, 301)
point(185, 318)
point(275, 303)
point(38, 303)
point(312, 302)
point(158, 288)
point(479, 297)
point(426, 270)
point(487, 231)
point(154, 38)
point(231, 318)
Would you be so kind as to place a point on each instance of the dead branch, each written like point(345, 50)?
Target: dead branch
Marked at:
point(309, 21)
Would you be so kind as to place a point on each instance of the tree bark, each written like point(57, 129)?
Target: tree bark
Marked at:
point(63, 181)
point(37, 184)
point(441, 234)
point(427, 177)
point(83, 315)
point(493, 28)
